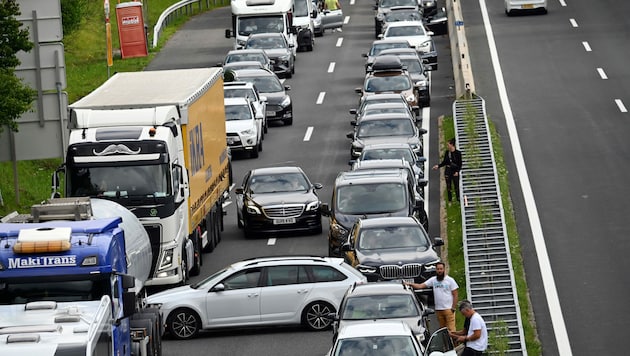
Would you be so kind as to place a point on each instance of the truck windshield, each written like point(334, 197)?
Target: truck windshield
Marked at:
point(120, 181)
point(58, 290)
point(260, 24)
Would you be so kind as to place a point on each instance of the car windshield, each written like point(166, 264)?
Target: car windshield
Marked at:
point(404, 31)
point(385, 127)
point(265, 43)
point(406, 15)
point(378, 198)
point(237, 112)
point(386, 110)
point(377, 48)
point(393, 237)
point(265, 84)
point(260, 24)
point(242, 57)
point(387, 153)
point(392, 3)
point(386, 306)
point(389, 83)
point(413, 65)
point(274, 183)
point(238, 93)
point(376, 345)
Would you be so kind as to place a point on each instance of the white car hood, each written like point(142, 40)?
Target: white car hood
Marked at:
point(239, 125)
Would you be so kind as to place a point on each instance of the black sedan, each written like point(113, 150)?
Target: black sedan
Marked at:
point(392, 248)
point(278, 199)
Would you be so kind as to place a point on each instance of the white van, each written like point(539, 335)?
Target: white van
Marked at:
point(303, 15)
point(261, 16)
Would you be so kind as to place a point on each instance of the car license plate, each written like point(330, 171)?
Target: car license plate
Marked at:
point(527, 6)
point(284, 221)
point(271, 113)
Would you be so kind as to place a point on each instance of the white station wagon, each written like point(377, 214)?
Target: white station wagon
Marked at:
point(281, 290)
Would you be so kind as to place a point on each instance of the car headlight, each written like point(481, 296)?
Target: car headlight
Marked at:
point(366, 269)
point(337, 230)
point(312, 206)
point(284, 57)
point(240, 43)
point(286, 101)
point(414, 146)
point(430, 266)
point(252, 209)
point(426, 43)
point(421, 83)
point(248, 132)
point(410, 98)
point(380, 16)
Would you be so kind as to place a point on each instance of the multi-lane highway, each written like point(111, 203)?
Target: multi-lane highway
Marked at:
point(322, 91)
point(568, 86)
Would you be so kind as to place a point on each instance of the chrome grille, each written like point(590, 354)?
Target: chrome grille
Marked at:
point(284, 211)
point(409, 270)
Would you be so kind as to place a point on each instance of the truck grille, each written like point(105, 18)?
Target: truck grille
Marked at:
point(409, 270)
point(284, 211)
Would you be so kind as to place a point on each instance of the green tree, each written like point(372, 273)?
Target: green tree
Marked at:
point(15, 96)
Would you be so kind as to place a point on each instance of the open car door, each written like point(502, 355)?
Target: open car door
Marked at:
point(440, 344)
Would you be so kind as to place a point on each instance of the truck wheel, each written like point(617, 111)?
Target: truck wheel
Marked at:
point(196, 267)
point(183, 324)
point(184, 268)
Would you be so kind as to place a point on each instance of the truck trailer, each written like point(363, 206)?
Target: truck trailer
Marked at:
point(72, 276)
point(155, 142)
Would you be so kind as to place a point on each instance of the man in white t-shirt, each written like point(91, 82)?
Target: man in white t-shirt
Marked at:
point(476, 337)
point(444, 295)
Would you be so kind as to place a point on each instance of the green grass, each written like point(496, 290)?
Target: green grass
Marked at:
point(86, 69)
point(457, 268)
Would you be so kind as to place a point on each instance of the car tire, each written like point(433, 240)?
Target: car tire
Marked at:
point(288, 122)
point(318, 229)
point(266, 128)
point(314, 316)
point(254, 152)
point(260, 146)
point(183, 324)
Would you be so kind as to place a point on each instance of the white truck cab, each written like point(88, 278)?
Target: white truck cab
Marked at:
point(261, 16)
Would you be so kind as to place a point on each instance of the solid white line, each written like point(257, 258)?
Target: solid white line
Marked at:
point(308, 134)
point(339, 41)
point(620, 105)
point(271, 241)
point(346, 20)
point(320, 98)
point(587, 47)
point(553, 302)
point(331, 67)
point(573, 22)
point(602, 73)
point(562, 3)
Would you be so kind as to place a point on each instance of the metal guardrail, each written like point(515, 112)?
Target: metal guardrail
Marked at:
point(490, 277)
point(184, 7)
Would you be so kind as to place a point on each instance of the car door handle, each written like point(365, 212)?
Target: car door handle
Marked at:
point(302, 291)
point(252, 295)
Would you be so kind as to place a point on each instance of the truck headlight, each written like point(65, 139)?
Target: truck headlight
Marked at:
point(167, 259)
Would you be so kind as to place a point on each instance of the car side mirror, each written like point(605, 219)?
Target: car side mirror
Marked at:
point(353, 122)
point(351, 162)
point(263, 99)
point(430, 33)
point(364, 55)
point(423, 182)
point(218, 288)
point(325, 209)
point(317, 185)
point(353, 111)
point(422, 131)
point(287, 87)
point(358, 90)
point(346, 247)
point(437, 241)
point(238, 190)
point(314, 14)
point(427, 312)
point(350, 135)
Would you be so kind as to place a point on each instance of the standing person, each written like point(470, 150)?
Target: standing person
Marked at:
point(453, 162)
point(476, 336)
point(332, 5)
point(444, 295)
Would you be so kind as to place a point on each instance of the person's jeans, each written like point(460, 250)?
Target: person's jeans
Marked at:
point(455, 182)
point(471, 352)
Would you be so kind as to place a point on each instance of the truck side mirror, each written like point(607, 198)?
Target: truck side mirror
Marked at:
point(325, 209)
point(228, 33)
point(54, 184)
point(128, 304)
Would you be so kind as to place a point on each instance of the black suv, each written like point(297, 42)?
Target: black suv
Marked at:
point(366, 194)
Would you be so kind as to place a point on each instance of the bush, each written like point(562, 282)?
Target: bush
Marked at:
point(72, 12)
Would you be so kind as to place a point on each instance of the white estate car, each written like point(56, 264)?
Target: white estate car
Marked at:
point(411, 31)
point(279, 290)
point(249, 91)
point(244, 130)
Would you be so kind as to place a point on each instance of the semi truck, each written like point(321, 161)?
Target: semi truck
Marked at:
point(72, 277)
point(262, 16)
point(155, 142)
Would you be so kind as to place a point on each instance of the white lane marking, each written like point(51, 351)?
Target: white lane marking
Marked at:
point(602, 73)
point(331, 67)
point(320, 98)
point(563, 3)
point(346, 20)
point(573, 22)
point(587, 47)
point(620, 105)
point(551, 293)
point(271, 241)
point(351, 2)
point(308, 134)
point(339, 41)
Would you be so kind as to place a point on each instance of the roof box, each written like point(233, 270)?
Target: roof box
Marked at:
point(387, 63)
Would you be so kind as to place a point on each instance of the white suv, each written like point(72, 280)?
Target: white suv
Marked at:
point(244, 130)
point(260, 291)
